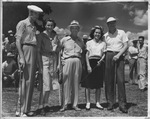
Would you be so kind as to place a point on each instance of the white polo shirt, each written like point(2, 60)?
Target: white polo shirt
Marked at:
point(115, 42)
point(133, 50)
point(95, 48)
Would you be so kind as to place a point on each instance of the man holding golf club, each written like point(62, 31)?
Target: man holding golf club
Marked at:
point(117, 43)
point(26, 45)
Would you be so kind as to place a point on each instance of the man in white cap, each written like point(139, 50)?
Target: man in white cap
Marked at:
point(11, 37)
point(26, 45)
point(72, 47)
point(117, 43)
point(133, 56)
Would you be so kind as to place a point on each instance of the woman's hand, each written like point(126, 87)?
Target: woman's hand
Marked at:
point(89, 69)
point(63, 61)
point(99, 62)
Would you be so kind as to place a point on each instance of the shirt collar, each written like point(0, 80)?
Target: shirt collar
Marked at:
point(28, 22)
point(68, 38)
point(113, 33)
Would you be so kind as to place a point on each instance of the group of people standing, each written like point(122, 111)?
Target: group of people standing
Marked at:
point(138, 55)
point(102, 56)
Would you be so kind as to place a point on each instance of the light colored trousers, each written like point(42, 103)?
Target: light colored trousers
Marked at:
point(26, 84)
point(49, 71)
point(133, 70)
point(142, 70)
point(72, 71)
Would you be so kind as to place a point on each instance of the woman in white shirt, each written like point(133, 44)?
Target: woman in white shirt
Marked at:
point(94, 59)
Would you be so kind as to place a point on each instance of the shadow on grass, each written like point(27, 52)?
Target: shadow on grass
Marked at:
point(55, 108)
point(92, 105)
point(49, 110)
point(128, 105)
point(82, 106)
point(105, 105)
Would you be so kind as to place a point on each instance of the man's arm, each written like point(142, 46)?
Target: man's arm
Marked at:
point(124, 39)
point(19, 32)
point(3, 66)
point(116, 57)
point(20, 51)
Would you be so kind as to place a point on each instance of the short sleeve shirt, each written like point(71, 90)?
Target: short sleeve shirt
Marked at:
point(26, 31)
point(9, 68)
point(133, 50)
point(71, 47)
point(115, 42)
point(143, 52)
point(95, 48)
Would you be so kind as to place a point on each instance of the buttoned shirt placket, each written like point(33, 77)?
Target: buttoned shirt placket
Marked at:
point(74, 47)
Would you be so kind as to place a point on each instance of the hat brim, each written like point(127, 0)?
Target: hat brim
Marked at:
point(135, 40)
point(74, 26)
point(111, 21)
point(38, 10)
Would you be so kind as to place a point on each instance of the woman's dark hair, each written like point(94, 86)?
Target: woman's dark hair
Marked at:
point(93, 30)
point(50, 20)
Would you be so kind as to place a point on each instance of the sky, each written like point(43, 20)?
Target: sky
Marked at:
point(132, 17)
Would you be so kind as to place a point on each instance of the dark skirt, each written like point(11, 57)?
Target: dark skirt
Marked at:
point(94, 80)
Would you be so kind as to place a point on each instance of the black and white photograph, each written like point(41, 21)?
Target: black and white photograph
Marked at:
point(77, 59)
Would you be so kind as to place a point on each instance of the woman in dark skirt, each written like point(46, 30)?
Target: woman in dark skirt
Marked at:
point(94, 60)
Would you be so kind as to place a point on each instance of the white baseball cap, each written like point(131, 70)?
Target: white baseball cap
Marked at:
point(110, 19)
point(34, 8)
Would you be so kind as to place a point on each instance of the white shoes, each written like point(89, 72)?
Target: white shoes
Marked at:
point(23, 115)
point(87, 106)
point(18, 114)
point(99, 106)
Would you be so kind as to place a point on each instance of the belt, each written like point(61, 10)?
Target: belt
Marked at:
point(134, 58)
point(95, 57)
point(142, 57)
point(29, 44)
point(115, 52)
point(112, 51)
point(72, 57)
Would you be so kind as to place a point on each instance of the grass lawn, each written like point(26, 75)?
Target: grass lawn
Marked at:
point(136, 102)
